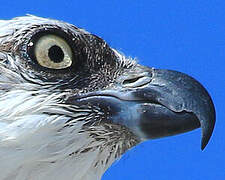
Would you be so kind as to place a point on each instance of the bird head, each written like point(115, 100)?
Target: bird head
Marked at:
point(70, 104)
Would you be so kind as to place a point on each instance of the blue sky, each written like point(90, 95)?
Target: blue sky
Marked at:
point(183, 35)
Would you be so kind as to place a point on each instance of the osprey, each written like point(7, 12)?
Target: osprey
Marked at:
point(70, 105)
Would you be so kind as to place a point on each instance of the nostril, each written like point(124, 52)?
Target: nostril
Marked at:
point(137, 81)
point(132, 80)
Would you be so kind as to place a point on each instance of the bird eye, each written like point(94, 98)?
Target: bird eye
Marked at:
point(53, 52)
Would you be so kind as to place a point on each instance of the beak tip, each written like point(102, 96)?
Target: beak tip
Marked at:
point(207, 120)
point(204, 142)
point(203, 145)
point(207, 133)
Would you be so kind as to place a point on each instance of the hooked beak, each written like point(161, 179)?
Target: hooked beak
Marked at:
point(154, 103)
point(184, 105)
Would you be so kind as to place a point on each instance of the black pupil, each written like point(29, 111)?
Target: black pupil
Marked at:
point(56, 54)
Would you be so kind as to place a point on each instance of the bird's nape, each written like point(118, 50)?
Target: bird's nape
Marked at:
point(68, 101)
